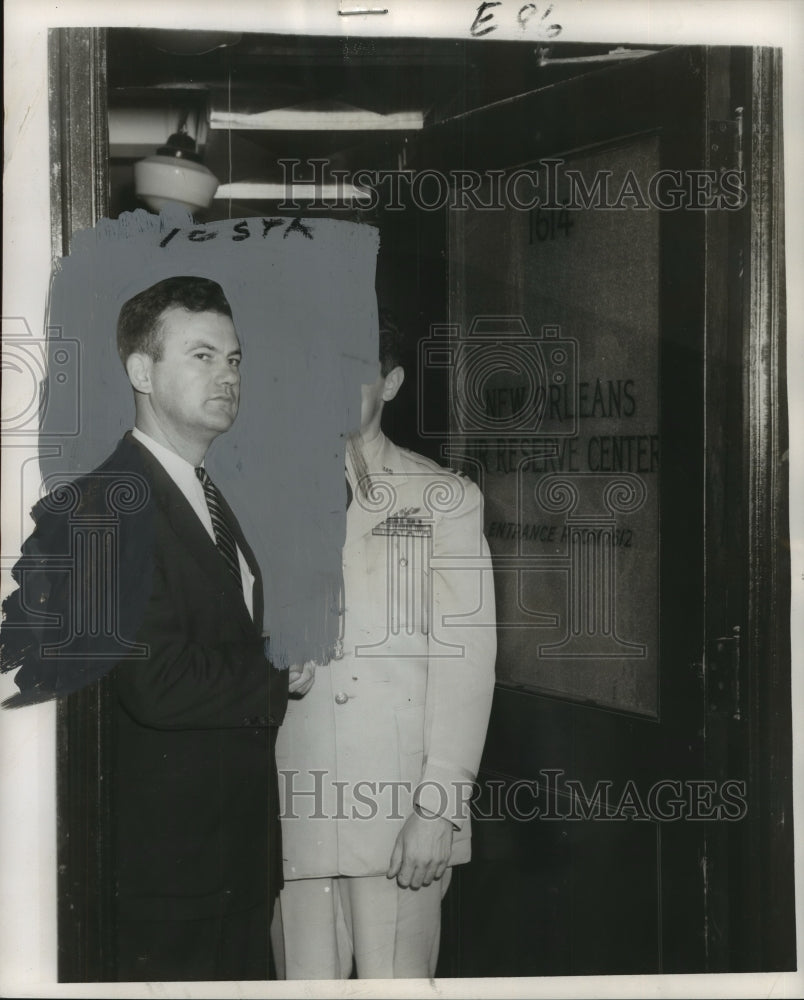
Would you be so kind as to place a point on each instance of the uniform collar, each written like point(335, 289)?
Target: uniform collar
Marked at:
point(370, 452)
point(382, 465)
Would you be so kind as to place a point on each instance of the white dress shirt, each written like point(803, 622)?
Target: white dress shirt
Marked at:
point(184, 476)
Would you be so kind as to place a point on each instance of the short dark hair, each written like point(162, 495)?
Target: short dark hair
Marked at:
point(139, 328)
point(393, 344)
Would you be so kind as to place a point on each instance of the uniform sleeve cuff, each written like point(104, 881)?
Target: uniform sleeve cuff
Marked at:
point(445, 797)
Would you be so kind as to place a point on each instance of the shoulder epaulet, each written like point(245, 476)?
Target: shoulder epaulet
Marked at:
point(421, 460)
point(431, 465)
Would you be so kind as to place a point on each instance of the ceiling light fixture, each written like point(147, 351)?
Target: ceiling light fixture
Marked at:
point(175, 175)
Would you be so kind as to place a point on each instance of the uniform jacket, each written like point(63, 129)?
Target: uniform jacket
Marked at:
point(195, 717)
point(405, 699)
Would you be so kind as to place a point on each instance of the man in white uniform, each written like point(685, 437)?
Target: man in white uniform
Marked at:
point(381, 745)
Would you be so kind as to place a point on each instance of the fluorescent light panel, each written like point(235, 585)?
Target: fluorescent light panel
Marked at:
point(304, 120)
point(276, 191)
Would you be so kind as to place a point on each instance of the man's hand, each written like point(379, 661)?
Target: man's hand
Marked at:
point(421, 851)
point(300, 679)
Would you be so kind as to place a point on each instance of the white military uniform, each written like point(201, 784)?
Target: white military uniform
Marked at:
point(397, 717)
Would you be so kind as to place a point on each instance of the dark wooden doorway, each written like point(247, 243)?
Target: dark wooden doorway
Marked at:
point(643, 647)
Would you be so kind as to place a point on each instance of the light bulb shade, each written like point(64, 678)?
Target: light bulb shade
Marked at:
point(160, 180)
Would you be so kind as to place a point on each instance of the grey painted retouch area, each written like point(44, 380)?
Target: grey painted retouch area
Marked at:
point(304, 307)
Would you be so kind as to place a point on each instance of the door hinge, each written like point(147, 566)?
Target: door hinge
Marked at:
point(726, 142)
point(722, 673)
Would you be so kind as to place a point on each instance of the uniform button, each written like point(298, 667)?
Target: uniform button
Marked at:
point(341, 698)
point(337, 652)
point(403, 561)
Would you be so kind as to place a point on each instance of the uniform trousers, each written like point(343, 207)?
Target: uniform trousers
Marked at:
point(323, 925)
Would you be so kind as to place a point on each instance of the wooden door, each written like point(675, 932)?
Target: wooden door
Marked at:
point(601, 326)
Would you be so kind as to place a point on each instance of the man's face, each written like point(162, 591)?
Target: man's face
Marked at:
point(195, 385)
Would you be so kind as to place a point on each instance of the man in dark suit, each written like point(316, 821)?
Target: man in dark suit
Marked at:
point(196, 701)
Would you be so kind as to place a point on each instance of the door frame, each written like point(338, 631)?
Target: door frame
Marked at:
point(767, 934)
point(79, 197)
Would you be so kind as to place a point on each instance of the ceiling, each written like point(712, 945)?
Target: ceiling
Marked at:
point(441, 78)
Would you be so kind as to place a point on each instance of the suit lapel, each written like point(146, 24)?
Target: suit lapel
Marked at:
point(187, 526)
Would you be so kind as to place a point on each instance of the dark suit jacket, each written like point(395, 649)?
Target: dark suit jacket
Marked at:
point(195, 719)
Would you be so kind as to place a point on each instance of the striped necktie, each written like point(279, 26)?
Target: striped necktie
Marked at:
point(224, 538)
